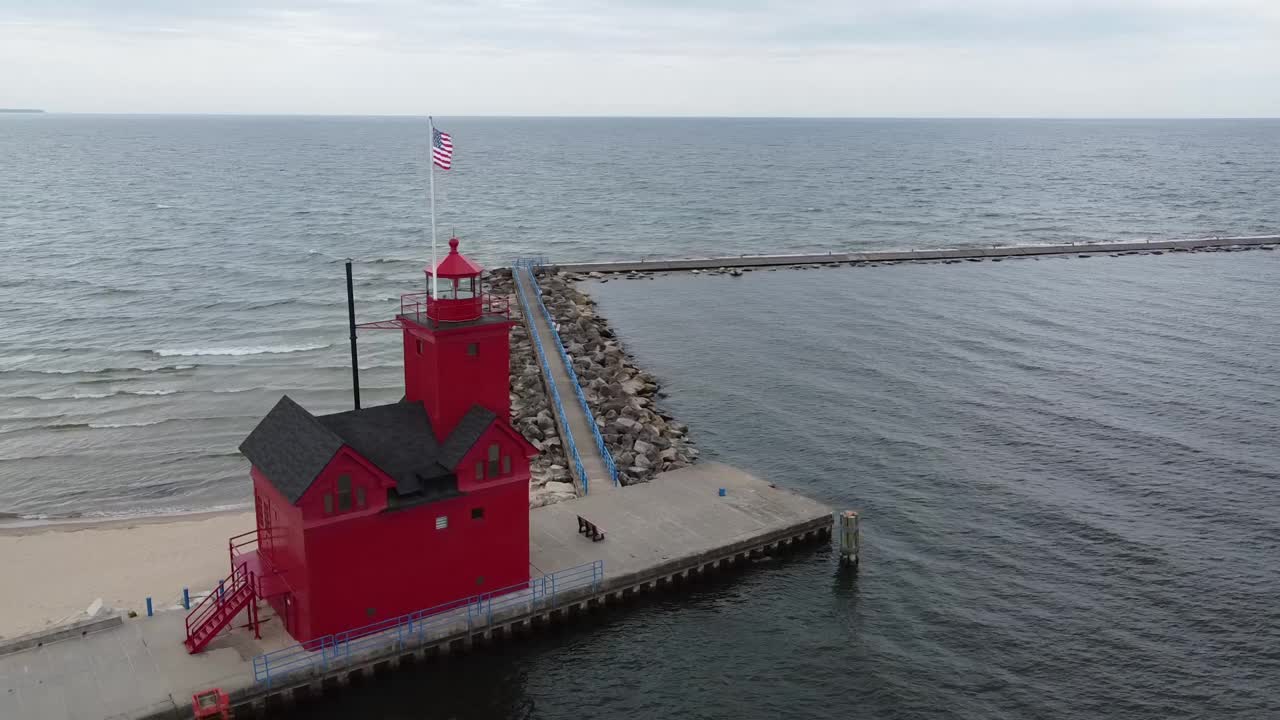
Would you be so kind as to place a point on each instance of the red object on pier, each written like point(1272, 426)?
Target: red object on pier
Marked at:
point(373, 513)
point(212, 703)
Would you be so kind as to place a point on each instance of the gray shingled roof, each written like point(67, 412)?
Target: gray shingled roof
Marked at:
point(464, 436)
point(397, 438)
point(290, 446)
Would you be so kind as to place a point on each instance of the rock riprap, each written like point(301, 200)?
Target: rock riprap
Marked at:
point(530, 408)
point(643, 439)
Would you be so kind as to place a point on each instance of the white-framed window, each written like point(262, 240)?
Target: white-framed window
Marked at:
point(344, 493)
point(493, 460)
point(442, 522)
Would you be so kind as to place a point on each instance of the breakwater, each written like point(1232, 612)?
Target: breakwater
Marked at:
point(642, 438)
point(998, 252)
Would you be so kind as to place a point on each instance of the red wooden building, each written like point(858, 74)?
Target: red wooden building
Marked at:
point(373, 513)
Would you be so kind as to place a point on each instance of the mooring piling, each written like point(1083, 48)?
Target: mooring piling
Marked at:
point(850, 537)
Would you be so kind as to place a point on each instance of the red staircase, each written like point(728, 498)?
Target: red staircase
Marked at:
point(220, 607)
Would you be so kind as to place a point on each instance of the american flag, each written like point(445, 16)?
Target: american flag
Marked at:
point(441, 149)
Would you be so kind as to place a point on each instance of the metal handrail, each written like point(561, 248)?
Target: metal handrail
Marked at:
point(421, 304)
point(236, 543)
point(239, 576)
point(609, 464)
point(555, 392)
point(415, 629)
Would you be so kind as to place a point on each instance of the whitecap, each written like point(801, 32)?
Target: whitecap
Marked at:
point(97, 371)
point(237, 351)
point(108, 426)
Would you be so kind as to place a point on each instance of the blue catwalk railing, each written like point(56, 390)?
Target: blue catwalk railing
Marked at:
point(529, 266)
point(414, 630)
point(546, 373)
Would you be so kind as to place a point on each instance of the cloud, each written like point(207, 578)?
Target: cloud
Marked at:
point(940, 57)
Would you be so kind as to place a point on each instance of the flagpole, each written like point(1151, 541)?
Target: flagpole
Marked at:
point(431, 173)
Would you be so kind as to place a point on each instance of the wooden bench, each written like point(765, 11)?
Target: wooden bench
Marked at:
point(588, 528)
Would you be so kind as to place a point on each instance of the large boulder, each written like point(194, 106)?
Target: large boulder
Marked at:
point(559, 487)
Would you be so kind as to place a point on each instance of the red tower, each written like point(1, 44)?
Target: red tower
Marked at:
point(456, 345)
point(370, 514)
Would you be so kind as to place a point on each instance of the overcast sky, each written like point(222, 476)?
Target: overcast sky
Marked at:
point(1059, 58)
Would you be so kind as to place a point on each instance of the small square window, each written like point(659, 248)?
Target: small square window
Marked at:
point(360, 496)
point(480, 470)
point(477, 513)
point(506, 464)
point(473, 349)
point(328, 504)
point(442, 522)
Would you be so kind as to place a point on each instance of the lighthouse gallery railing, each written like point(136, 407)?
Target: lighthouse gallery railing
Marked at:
point(610, 466)
point(428, 626)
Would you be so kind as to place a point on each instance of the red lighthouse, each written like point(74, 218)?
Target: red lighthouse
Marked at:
point(373, 513)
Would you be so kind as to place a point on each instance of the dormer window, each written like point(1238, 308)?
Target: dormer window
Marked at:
point(494, 451)
point(344, 493)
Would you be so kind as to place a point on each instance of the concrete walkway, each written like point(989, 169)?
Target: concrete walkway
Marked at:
point(679, 520)
point(575, 418)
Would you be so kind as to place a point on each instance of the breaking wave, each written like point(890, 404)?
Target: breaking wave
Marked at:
point(238, 351)
point(99, 371)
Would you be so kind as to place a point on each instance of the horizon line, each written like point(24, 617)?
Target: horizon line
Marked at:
point(532, 116)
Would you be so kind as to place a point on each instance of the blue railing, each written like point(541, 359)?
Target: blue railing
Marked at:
point(571, 446)
point(609, 465)
point(416, 629)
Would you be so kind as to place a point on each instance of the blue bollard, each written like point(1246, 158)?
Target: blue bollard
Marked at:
point(186, 599)
point(721, 492)
point(150, 612)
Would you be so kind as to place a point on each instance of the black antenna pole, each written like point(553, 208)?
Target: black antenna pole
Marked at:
point(351, 317)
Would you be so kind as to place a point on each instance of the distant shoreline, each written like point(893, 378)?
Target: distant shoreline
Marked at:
point(25, 111)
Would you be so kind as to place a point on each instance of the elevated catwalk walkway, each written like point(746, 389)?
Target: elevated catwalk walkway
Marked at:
point(673, 528)
point(573, 417)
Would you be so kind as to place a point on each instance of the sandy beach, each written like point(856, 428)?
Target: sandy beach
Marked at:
point(56, 571)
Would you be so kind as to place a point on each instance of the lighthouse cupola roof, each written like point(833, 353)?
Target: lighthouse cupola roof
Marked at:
point(455, 265)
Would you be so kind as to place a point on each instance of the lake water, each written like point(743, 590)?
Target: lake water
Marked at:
point(1068, 476)
point(1068, 468)
point(169, 277)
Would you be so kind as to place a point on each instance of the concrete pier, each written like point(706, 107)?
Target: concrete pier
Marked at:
point(673, 529)
point(754, 261)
